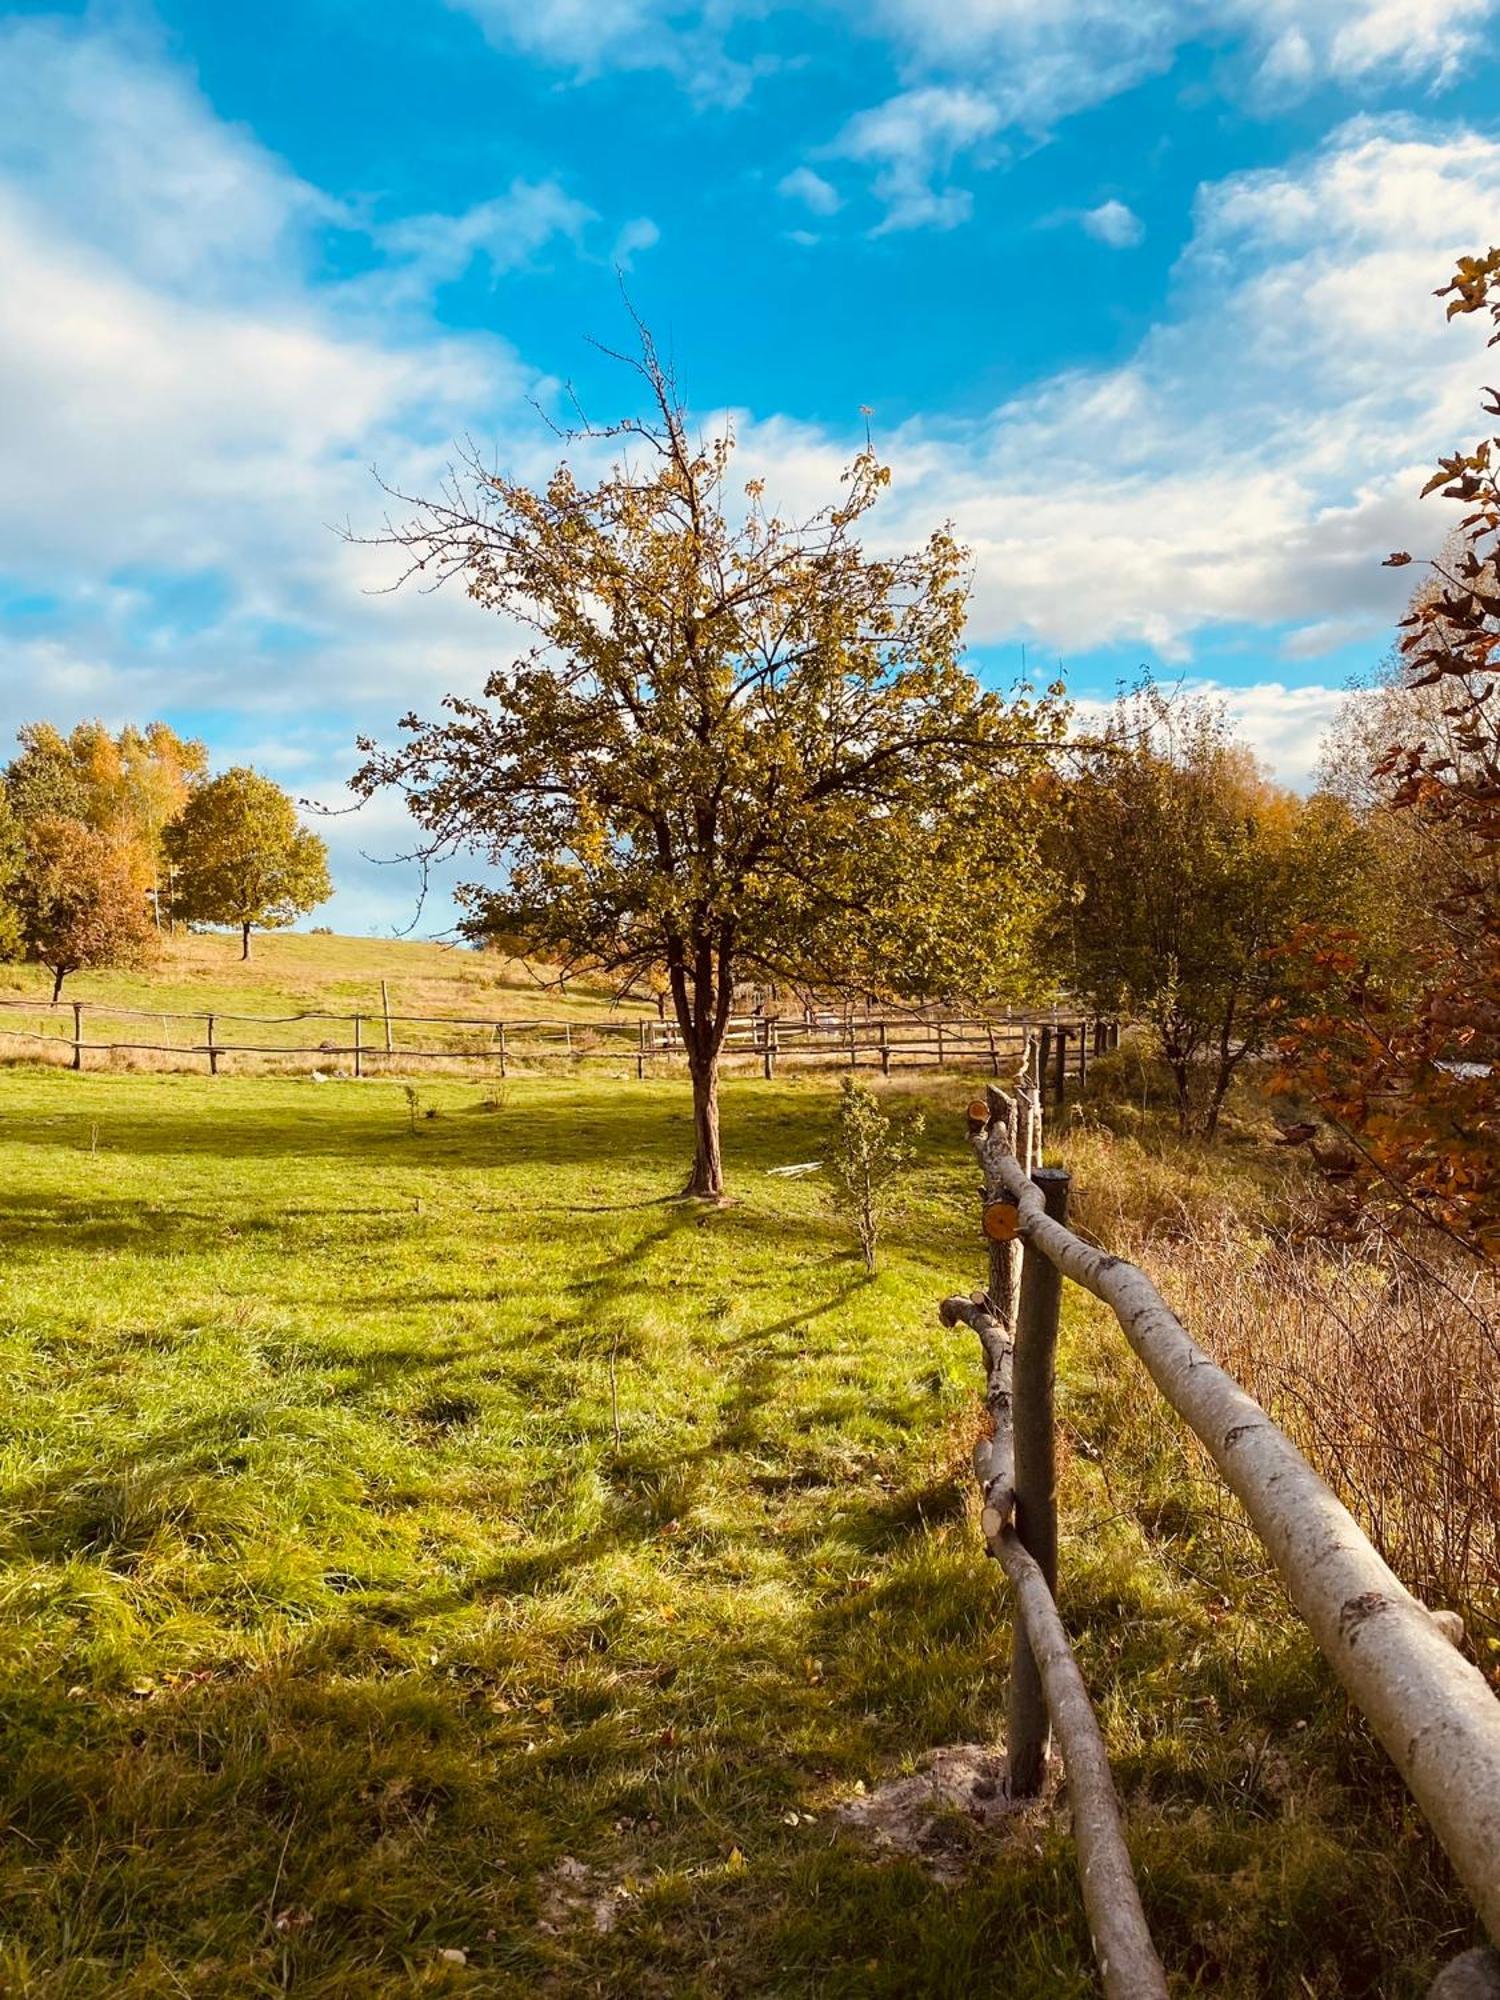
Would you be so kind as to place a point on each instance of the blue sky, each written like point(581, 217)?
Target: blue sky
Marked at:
point(1139, 292)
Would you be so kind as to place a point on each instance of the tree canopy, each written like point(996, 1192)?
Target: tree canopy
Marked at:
point(239, 856)
point(738, 742)
point(77, 900)
point(1183, 870)
point(127, 787)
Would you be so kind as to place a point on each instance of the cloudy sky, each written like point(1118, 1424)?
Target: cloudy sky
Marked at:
point(1138, 291)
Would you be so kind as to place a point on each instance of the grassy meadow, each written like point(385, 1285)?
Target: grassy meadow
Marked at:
point(430, 1561)
point(300, 971)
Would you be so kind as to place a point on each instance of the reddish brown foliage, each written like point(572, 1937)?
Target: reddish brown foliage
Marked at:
point(1411, 1078)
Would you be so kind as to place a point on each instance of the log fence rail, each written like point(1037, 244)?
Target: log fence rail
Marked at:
point(1399, 1661)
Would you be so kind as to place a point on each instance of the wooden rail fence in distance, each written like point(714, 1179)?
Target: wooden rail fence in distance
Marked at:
point(79, 1029)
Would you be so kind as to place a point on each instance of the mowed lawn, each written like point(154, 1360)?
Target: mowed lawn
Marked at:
point(424, 1543)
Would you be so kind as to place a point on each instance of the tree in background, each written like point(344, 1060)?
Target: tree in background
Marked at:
point(127, 787)
point(1182, 870)
point(239, 857)
point(739, 745)
point(1407, 1068)
point(78, 901)
point(12, 858)
point(45, 781)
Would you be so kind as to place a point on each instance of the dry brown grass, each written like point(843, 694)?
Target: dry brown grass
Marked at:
point(1384, 1371)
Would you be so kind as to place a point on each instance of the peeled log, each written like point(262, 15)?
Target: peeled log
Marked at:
point(1430, 1708)
point(1129, 1968)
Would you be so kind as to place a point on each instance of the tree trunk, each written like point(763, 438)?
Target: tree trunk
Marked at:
point(57, 983)
point(1184, 1098)
point(708, 1163)
point(245, 941)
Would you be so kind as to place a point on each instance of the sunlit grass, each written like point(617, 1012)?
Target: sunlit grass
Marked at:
point(389, 1515)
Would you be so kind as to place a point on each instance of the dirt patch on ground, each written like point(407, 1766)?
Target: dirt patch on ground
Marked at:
point(933, 1814)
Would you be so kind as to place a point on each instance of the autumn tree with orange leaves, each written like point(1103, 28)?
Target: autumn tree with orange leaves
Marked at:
point(1404, 1063)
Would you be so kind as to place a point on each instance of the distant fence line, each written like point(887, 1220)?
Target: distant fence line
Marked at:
point(375, 1043)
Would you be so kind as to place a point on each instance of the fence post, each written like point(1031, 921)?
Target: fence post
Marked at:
point(940, 1041)
point(1036, 1482)
point(1060, 1047)
point(767, 1047)
point(385, 1008)
point(78, 1034)
point(640, 1054)
point(1083, 1054)
point(213, 1053)
point(359, 1045)
point(885, 1048)
point(500, 1028)
point(1044, 1063)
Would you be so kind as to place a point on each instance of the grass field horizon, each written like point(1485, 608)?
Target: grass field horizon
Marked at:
point(423, 1533)
point(292, 971)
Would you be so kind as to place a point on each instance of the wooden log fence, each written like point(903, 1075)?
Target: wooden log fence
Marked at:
point(1400, 1662)
point(767, 1042)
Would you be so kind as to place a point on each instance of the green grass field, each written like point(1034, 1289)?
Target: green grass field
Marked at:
point(392, 1516)
point(295, 970)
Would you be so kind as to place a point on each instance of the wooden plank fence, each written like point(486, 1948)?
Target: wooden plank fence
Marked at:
point(379, 1042)
point(1400, 1662)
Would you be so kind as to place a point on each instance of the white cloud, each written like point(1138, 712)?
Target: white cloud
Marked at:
point(504, 232)
point(811, 189)
point(120, 155)
point(912, 142)
point(1115, 224)
point(591, 36)
point(636, 236)
point(1284, 726)
point(1259, 453)
point(1041, 60)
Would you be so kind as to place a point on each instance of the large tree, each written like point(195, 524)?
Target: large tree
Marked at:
point(239, 857)
point(738, 743)
point(1183, 872)
point(78, 900)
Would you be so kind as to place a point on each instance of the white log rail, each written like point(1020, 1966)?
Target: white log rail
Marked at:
point(1430, 1708)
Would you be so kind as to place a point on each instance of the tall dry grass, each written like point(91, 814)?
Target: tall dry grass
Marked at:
point(1385, 1370)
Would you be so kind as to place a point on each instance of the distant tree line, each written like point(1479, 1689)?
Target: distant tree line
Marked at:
point(107, 839)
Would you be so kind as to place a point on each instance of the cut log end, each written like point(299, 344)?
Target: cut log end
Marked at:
point(994, 1521)
point(1001, 1221)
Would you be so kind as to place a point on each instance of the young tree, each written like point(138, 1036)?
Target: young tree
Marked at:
point(869, 1154)
point(79, 904)
point(1182, 871)
point(239, 857)
point(1408, 1069)
point(739, 744)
